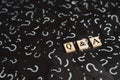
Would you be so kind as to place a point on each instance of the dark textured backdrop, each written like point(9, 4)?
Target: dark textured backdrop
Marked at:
point(32, 34)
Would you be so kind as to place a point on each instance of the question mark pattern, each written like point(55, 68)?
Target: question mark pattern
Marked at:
point(32, 33)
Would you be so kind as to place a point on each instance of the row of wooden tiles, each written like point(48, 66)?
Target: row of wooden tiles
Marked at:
point(83, 44)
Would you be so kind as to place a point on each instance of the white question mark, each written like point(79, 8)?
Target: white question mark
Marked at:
point(33, 33)
point(107, 50)
point(67, 63)
point(60, 60)
point(67, 6)
point(13, 61)
point(37, 28)
point(50, 42)
point(96, 20)
point(26, 47)
point(49, 55)
point(5, 59)
point(58, 71)
point(13, 45)
point(31, 13)
point(45, 33)
point(91, 64)
point(102, 10)
point(64, 23)
point(81, 58)
point(32, 49)
point(116, 18)
point(37, 56)
point(108, 24)
point(26, 53)
point(70, 76)
point(30, 7)
point(2, 74)
point(113, 68)
point(61, 15)
point(34, 71)
point(77, 9)
point(46, 19)
point(86, 5)
point(14, 17)
point(106, 61)
point(112, 38)
point(27, 23)
point(108, 30)
point(73, 36)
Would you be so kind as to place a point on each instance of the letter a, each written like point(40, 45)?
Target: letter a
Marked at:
point(95, 41)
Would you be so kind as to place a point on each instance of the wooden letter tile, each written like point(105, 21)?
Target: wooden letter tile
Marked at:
point(95, 41)
point(83, 44)
point(69, 47)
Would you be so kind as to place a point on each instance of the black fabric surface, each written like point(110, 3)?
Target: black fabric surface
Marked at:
point(32, 34)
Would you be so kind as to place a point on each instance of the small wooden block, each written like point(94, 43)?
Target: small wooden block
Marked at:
point(83, 44)
point(69, 47)
point(95, 41)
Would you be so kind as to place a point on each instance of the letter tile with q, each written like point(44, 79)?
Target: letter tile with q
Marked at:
point(69, 47)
